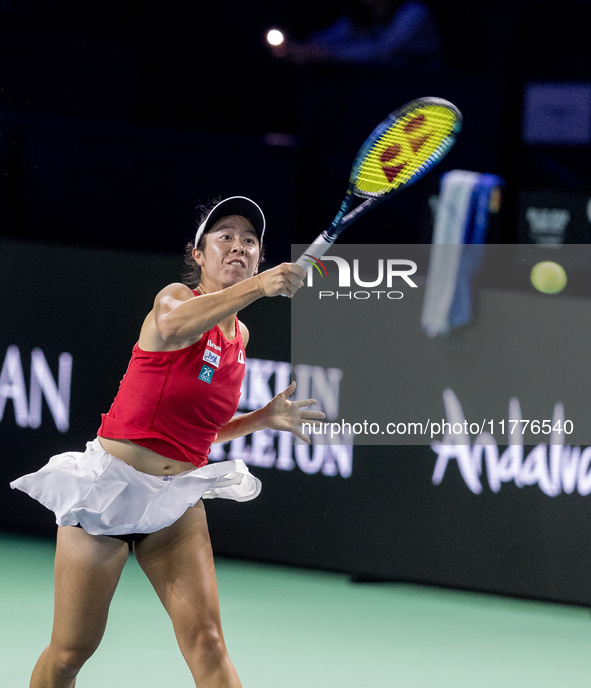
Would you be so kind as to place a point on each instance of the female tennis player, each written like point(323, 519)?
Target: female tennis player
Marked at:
point(141, 482)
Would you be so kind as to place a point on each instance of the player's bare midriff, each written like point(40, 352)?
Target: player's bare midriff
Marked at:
point(143, 459)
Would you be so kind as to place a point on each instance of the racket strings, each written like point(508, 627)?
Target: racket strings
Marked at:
point(403, 149)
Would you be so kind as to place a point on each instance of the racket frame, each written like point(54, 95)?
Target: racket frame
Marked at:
point(346, 215)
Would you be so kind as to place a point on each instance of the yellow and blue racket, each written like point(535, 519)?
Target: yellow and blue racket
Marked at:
point(401, 150)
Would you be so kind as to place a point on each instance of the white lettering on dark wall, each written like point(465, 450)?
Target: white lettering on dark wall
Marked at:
point(28, 403)
point(263, 380)
point(271, 449)
point(555, 468)
point(547, 225)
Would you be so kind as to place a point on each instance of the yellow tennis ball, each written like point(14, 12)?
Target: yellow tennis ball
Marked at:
point(548, 277)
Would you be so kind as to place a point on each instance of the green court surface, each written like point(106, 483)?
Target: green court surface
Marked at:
point(288, 628)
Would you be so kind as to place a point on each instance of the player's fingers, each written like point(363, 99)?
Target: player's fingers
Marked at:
point(290, 284)
point(301, 435)
point(312, 424)
point(296, 276)
point(312, 415)
point(288, 391)
point(290, 278)
point(291, 290)
point(305, 402)
point(298, 271)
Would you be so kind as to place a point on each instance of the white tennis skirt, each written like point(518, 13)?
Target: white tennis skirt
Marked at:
point(106, 496)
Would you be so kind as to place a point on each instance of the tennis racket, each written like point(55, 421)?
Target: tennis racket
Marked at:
point(398, 152)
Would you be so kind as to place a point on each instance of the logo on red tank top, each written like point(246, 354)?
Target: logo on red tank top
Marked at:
point(206, 374)
point(212, 358)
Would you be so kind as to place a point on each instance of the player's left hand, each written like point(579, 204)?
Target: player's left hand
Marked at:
point(287, 415)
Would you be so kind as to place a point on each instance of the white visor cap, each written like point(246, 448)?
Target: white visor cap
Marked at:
point(235, 205)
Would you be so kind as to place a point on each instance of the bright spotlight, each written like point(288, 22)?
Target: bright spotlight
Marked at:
point(275, 37)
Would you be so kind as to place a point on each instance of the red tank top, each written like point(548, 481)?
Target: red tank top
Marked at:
point(175, 402)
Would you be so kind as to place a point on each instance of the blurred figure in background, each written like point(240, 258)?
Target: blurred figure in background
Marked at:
point(399, 33)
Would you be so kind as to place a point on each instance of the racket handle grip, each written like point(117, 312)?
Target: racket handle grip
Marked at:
point(317, 249)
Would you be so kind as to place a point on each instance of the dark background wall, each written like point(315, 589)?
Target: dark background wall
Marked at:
point(123, 115)
point(394, 512)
